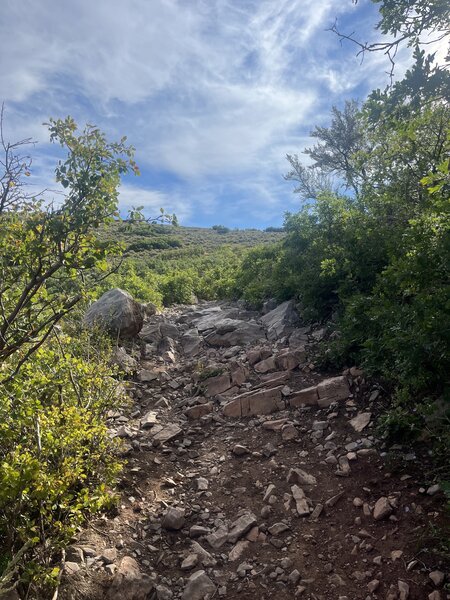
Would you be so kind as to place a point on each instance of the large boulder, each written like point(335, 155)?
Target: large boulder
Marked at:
point(281, 320)
point(117, 312)
point(233, 332)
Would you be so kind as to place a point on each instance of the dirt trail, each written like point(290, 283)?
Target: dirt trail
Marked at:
point(300, 501)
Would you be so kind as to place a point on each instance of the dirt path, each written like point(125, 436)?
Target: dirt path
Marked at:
point(300, 502)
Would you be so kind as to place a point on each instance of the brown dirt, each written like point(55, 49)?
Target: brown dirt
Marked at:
point(343, 540)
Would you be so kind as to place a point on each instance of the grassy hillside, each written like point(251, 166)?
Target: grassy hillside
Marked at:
point(166, 264)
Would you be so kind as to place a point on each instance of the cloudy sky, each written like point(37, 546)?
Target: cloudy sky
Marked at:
point(212, 93)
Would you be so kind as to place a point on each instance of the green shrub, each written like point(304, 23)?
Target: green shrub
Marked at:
point(58, 462)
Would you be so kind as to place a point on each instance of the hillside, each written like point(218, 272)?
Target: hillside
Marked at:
point(164, 264)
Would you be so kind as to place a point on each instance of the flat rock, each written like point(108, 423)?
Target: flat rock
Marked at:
point(257, 402)
point(198, 585)
point(232, 332)
point(301, 477)
point(361, 421)
point(240, 527)
point(198, 411)
point(306, 397)
point(217, 385)
point(332, 390)
point(167, 433)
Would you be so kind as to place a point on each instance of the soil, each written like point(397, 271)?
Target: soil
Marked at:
point(339, 554)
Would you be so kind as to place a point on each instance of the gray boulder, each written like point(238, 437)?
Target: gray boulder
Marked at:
point(233, 332)
point(117, 312)
point(281, 320)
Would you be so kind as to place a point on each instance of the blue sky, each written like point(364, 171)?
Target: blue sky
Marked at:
point(212, 93)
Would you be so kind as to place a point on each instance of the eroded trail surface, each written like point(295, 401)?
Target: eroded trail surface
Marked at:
point(250, 475)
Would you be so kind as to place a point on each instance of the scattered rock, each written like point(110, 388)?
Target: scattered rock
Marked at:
point(382, 509)
point(168, 433)
point(198, 586)
point(240, 527)
point(198, 411)
point(437, 577)
point(301, 477)
point(239, 450)
point(361, 421)
point(174, 518)
point(129, 583)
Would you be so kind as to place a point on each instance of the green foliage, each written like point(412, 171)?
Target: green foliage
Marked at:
point(58, 461)
point(220, 228)
point(48, 254)
point(376, 261)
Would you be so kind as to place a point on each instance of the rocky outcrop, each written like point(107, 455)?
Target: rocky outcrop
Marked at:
point(233, 332)
point(117, 312)
point(281, 320)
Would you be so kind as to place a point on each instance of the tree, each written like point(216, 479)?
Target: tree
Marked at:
point(338, 153)
point(49, 253)
point(417, 23)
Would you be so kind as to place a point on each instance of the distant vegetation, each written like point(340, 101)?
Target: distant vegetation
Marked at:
point(182, 264)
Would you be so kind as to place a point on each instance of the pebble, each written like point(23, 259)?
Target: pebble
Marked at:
point(437, 577)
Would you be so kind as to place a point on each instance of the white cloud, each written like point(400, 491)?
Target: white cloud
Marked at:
point(153, 200)
point(212, 93)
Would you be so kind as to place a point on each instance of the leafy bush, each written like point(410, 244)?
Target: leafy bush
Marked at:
point(58, 462)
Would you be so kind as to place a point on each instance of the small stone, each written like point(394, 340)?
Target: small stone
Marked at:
point(71, 567)
point(433, 489)
point(300, 501)
point(189, 562)
point(238, 550)
point(434, 595)
point(396, 554)
point(198, 585)
point(202, 484)
point(373, 585)
point(218, 538)
point(294, 577)
point(301, 477)
point(111, 569)
point(149, 419)
point(278, 528)
point(240, 527)
point(382, 509)
point(239, 450)
point(163, 593)
point(437, 577)
point(197, 530)
point(403, 589)
point(334, 500)
point(173, 519)
point(108, 555)
point(289, 432)
point(361, 421)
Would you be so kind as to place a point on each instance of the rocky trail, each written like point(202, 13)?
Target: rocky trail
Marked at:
point(251, 475)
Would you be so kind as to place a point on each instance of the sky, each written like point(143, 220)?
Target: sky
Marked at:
point(212, 93)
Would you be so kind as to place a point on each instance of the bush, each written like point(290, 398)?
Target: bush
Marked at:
point(221, 228)
point(58, 462)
